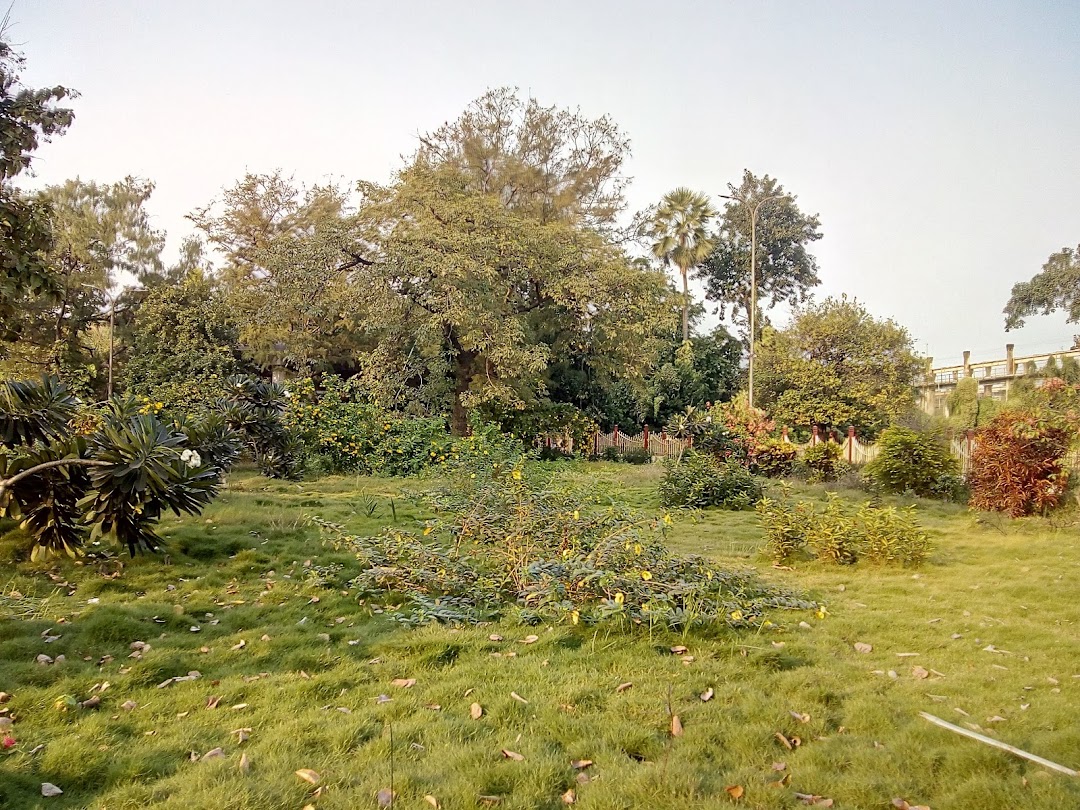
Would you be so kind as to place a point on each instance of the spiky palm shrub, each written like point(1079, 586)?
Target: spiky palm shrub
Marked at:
point(115, 482)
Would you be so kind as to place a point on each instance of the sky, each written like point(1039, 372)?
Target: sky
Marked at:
point(938, 141)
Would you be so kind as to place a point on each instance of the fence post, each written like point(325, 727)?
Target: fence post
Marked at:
point(784, 434)
point(646, 435)
point(615, 436)
point(813, 435)
point(850, 444)
point(596, 443)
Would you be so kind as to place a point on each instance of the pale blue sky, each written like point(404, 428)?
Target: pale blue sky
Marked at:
point(938, 141)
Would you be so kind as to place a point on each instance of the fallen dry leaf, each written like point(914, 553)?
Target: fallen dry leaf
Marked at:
point(476, 711)
point(404, 683)
point(580, 764)
point(816, 801)
point(495, 637)
point(432, 801)
point(385, 797)
point(239, 645)
point(49, 789)
point(735, 791)
point(212, 702)
point(245, 763)
point(530, 639)
point(129, 705)
point(707, 695)
point(519, 698)
point(239, 707)
point(213, 753)
point(919, 673)
point(863, 647)
point(679, 649)
point(569, 797)
point(622, 687)
point(902, 804)
point(308, 775)
point(779, 766)
point(676, 726)
point(514, 755)
point(242, 735)
point(802, 717)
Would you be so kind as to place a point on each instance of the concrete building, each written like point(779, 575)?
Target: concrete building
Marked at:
point(994, 376)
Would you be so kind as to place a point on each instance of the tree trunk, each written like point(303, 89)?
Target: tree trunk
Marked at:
point(464, 361)
point(685, 305)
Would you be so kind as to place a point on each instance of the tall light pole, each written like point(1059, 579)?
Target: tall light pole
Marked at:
point(754, 208)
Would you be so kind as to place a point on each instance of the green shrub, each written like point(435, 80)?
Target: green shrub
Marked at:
point(840, 534)
point(823, 462)
point(521, 543)
point(772, 458)
point(637, 455)
point(700, 480)
point(909, 461)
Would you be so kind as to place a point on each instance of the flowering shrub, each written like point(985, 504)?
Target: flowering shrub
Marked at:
point(1016, 465)
point(115, 481)
point(734, 431)
point(509, 543)
point(701, 480)
point(553, 420)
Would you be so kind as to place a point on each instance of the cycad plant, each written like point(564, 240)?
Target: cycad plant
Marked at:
point(681, 231)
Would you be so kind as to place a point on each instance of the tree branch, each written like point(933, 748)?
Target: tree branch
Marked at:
point(7, 483)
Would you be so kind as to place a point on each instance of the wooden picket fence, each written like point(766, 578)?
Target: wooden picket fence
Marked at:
point(659, 444)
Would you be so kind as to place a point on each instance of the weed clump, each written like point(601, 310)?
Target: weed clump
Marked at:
point(842, 535)
point(544, 552)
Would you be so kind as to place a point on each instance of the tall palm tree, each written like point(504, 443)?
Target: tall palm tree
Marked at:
point(680, 228)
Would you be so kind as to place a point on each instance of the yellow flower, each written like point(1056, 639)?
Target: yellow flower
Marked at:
point(575, 616)
point(576, 515)
point(645, 575)
point(766, 623)
point(637, 548)
point(822, 613)
point(619, 598)
point(517, 475)
point(667, 520)
point(736, 615)
point(428, 530)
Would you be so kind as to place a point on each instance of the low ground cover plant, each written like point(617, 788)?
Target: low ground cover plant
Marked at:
point(511, 543)
point(701, 480)
point(841, 533)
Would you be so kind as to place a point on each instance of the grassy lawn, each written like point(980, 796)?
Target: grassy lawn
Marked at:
point(293, 675)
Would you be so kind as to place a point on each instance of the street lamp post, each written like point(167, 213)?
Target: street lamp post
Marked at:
point(754, 208)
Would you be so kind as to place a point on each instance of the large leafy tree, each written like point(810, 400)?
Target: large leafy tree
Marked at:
point(286, 251)
point(1056, 288)
point(480, 284)
point(28, 117)
point(681, 238)
point(786, 269)
point(184, 343)
point(101, 235)
point(837, 365)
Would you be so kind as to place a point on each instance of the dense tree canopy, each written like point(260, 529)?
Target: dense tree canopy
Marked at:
point(835, 366)
point(786, 269)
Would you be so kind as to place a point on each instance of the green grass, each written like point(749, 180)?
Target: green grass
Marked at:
point(312, 688)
